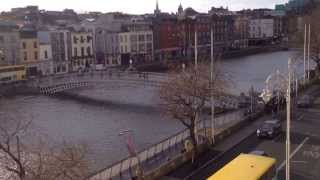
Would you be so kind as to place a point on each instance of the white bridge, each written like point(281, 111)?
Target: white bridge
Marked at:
point(60, 83)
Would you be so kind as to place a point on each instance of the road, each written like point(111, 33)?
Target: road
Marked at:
point(305, 147)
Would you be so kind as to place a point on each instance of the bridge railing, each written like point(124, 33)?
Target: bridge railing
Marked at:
point(98, 75)
point(125, 168)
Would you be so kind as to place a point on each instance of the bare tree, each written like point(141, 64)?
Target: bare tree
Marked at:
point(185, 93)
point(38, 161)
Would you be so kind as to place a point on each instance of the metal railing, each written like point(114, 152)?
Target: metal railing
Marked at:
point(168, 148)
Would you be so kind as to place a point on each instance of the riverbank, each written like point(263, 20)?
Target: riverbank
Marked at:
point(17, 89)
point(170, 64)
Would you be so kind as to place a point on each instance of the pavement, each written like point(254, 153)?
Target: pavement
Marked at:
point(305, 146)
point(223, 121)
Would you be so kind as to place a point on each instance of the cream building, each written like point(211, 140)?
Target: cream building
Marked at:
point(137, 44)
point(82, 54)
point(29, 51)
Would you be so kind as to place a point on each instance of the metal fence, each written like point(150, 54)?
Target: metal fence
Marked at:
point(167, 148)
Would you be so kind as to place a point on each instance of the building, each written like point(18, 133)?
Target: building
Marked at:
point(167, 43)
point(9, 43)
point(261, 30)
point(46, 62)
point(136, 45)
point(241, 32)
point(29, 50)
point(82, 53)
point(59, 41)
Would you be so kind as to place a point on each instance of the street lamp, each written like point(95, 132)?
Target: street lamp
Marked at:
point(132, 150)
point(288, 122)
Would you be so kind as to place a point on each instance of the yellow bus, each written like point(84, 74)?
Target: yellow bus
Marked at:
point(9, 74)
point(247, 167)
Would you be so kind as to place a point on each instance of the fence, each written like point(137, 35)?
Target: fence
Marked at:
point(167, 148)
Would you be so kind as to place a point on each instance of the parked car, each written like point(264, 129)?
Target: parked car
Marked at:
point(304, 101)
point(259, 153)
point(269, 129)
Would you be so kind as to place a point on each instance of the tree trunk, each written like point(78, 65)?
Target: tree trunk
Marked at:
point(193, 136)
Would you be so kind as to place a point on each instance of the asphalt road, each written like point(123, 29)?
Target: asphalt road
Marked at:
point(305, 146)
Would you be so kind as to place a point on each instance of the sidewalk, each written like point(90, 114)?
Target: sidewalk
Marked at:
point(188, 171)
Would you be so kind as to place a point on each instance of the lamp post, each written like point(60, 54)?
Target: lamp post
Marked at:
point(132, 150)
point(309, 36)
point(288, 122)
point(304, 54)
point(211, 89)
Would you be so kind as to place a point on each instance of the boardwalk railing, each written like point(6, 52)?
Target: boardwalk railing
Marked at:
point(124, 169)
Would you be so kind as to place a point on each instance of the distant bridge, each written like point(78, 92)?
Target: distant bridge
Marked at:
point(60, 83)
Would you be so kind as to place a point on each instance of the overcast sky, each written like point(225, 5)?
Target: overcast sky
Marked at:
point(137, 6)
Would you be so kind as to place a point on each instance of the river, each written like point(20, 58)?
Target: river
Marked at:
point(127, 107)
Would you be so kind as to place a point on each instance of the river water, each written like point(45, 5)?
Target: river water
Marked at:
point(126, 107)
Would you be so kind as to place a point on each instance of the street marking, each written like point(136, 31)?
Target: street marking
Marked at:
point(305, 162)
point(293, 153)
point(300, 118)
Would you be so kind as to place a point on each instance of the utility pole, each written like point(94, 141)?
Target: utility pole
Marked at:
point(309, 36)
point(304, 54)
point(195, 47)
point(288, 122)
point(211, 88)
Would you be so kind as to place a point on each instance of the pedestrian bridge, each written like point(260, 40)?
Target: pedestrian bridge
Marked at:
point(51, 85)
point(59, 83)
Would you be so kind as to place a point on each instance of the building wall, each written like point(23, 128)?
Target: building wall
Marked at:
point(138, 44)
point(261, 28)
point(9, 47)
point(241, 33)
point(29, 49)
point(81, 50)
point(60, 44)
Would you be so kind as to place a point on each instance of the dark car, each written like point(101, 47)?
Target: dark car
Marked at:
point(259, 153)
point(269, 129)
point(304, 102)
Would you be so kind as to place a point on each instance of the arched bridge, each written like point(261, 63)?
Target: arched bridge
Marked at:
point(63, 82)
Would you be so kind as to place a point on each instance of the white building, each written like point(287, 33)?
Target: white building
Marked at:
point(261, 28)
point(82, 54)
point(45, 56)
point(138, 45)
point(60, 48)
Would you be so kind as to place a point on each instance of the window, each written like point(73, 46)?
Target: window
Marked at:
point(35, 55)
point(82, 51)
point(81, 39)
point(125, 49)
point(25, 56)
point(88, 39)
point(125, 38)
point(149, 47)
point(75, 52)
point(121, 49)
point(121, 39)
point(45, 54)
point(133, 38)
point(1, 39)
point(88, 51)
point(24, 45)
point(149, 37)
point(141, 37)
point(141, 47)
point(75, 39)
point(35, 44)
point(134, 48)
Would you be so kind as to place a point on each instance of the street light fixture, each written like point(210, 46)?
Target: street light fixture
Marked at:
point(132, 150)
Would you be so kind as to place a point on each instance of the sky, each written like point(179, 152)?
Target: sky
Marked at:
point(137, 6)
